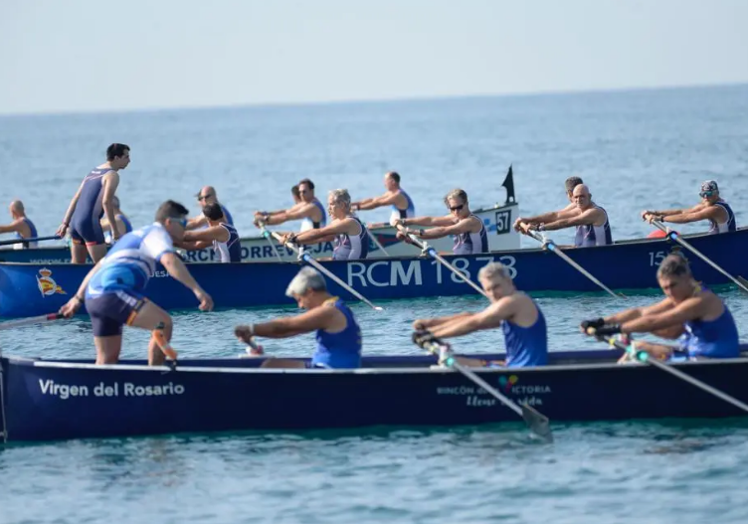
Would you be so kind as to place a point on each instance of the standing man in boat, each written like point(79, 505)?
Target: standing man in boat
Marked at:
point(113, 290)
point(470, 236)
point(123, 223)
point(337, 332)
point(311, 212)
point(21, 225)
point(205, 196)
point(402, 204)
point(219, 235)
point(591, 221)
point(712, 208)
point(93, 200)
point(569, 211)
point(698, 318)
point(348, 232)
point(520, 318)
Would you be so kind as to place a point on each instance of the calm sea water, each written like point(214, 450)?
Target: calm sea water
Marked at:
point(636, 150)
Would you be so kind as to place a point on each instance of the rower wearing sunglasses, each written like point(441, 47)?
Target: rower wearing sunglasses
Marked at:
point(469, 232)
point(310, 211)
point(205, 196)
point(711, 208)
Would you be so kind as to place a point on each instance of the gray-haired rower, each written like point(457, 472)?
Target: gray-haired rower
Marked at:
point(337, 332)
point(518, 315)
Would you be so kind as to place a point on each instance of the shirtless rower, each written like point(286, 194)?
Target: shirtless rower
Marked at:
point(21, 226)
point(591, 221)
point(337, 332)
point(123, 223)
point(113, 290)
point(468, 229)
point(311, 212)
point(348, 232)
point(219, 235)
point(92, 201)
point(569, 211)
point(520, 318)
point(395, 196)
point(712, 208)
point(698, 318)
point(208, 195)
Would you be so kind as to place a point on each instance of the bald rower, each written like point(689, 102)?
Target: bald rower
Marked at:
point(205, 196)
point(402, 204)
point(21, 226)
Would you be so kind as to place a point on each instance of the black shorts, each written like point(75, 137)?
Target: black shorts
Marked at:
point(87, 231)
point(112, 310)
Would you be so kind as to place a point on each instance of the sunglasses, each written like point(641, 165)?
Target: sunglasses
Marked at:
point(456, 208)
point(203, 197)
point(181, 221)
point(706, 194)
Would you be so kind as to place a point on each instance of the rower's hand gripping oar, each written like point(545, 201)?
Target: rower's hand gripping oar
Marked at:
point(537, 422)
point(551, 246)
point(741, 282)
point(430, 251)
point(322, 269)
point(643, 356)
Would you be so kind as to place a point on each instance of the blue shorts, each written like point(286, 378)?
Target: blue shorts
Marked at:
point(87, 231)
point(112, 310)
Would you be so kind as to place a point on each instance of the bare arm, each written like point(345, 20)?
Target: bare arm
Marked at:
point(194, 223)
point(588, 217)
point(669, 212)
point(319, 318)
point(638, 312)
point(294, 213)
point(428, 221)
point(387, 199)
point(489, 318)
point(687, 310)
point(431, 322)
point(467, 225)
point(111, 181)
point(176, 268)
point(551, 216)
point(209, 234)
point(706, 213)
point(14, 226)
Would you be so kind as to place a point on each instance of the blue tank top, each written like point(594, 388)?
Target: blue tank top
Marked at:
point(231, 250)
point(717, 338)
point(33, 233)
point(352, 247)
point(339, 350)
point(89, 207)
point(227, 215)
point(126, 222)
point(307, 223)
point(408, 212)
point(589, 235)
point(727, 227)
point(471, 243)
point(526, 346)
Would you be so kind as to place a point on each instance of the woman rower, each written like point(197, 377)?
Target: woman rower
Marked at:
point(349, 233)
point(468, 230)
point(698, 318)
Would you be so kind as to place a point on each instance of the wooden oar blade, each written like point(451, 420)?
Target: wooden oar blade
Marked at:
point(537, 422)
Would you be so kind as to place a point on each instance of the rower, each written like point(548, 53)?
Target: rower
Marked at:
point(349, 233)
point(123, 223)
point(590, 220)
point(21, 226)
point(517, 314)
point(402, 204)
point(311, 212)
point(114, 287)
point(337, 332)
point(712, 208)
point(468, 229)
point(698, 318)
point(92, 201)
point(208, 195)
point(296, 195)
point(297, 202)
point(569, 211)
point(219, 235)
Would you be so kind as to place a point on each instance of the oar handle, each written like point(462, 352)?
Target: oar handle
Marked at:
point(25, 240)
point(30, 320)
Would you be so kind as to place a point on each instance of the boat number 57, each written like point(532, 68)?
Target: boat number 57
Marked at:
point(656, 257)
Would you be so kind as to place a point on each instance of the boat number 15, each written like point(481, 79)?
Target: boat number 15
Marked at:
point(656, 257)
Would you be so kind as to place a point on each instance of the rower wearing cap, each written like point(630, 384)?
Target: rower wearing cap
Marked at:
point(113, 290)
point(92, 201)
point(123, 223)
point(219, 235)
point(712, 208)
point(348, 232)
point(571, 210)
point(402, 204)
point(311, 212)
point(698, 318)
point(591, 221)
point(469, 232)
point(21, 226)
point(520, 318)
point(338, 334)
point(205, 196)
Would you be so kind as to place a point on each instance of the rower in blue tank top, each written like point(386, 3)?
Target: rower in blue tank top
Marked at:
point(124, 225)
point(21, 226)
point(338, 335)
point(521, 320)
point(401, 203)
point(222, 237)
point(206, 196)
point(690, 313)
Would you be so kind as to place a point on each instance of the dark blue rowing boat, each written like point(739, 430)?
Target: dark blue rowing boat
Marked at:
point(63, 399)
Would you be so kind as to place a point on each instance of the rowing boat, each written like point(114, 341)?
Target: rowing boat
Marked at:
point(65, 399)
point(35, 289)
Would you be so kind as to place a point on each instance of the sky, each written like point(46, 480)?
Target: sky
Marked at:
point(94, 55)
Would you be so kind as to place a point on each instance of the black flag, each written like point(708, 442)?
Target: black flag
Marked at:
point(508, 183)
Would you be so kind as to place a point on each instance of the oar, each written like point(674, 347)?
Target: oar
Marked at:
point(261, 225)
point(741, 282)
point(30, 320)
point(436, 256)
point(536, 421)
point(322, 269)
point(643, 356)
point(376, 242)
point(24, 240)
point(552, 247)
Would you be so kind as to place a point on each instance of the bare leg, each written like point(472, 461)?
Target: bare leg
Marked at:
point(108, 349)
point(660, 351)
point(273, 362)
point(97, 252)
point(78, 253)
point(149, 316)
